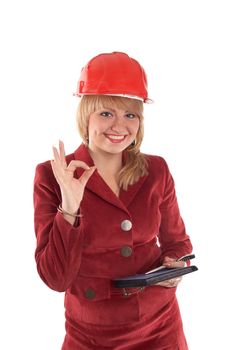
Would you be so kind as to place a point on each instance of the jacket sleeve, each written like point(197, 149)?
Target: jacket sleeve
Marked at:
point(58, 250)
point(173, 239)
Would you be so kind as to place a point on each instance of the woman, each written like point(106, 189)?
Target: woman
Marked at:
point(108, 211)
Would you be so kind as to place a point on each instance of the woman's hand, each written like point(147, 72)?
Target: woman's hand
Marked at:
point(171, 263)
point(72, 189)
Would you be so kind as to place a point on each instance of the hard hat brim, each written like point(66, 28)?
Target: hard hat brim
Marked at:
point(147, 100)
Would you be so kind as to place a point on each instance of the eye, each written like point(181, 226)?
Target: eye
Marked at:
point(106, 114)
point(130, 115)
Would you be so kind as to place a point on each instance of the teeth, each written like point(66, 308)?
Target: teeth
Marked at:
point(114, 137)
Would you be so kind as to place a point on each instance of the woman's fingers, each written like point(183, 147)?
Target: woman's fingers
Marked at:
point(72, 188)
point(74, 164)
point(59, 155)
point(172, 263)
point(86, 175)
point(172, 283)
point(60, 160)
point(65, 174)
point(56, 155)
point(62, 154)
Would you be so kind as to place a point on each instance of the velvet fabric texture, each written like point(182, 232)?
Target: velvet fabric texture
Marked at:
point(81, 260)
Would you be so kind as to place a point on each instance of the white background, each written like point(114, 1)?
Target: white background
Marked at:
point(186, 49)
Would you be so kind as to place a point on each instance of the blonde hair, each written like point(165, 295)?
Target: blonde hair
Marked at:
point(134, 162)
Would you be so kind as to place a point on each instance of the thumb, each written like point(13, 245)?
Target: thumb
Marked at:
point(167, 259)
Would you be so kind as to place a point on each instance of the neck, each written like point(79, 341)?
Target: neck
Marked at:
point(107, 163)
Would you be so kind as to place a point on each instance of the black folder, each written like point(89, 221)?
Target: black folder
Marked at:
point(148, 279)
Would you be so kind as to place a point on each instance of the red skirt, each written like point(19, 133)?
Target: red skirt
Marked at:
point(158, 327)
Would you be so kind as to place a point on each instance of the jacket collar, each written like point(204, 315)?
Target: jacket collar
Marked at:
point(97, 185)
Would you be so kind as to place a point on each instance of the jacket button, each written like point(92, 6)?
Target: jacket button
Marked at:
point(89, 294)
point(126, 225)
point(126, 251)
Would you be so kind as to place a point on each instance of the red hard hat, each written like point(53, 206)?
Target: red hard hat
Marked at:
point(114, 74)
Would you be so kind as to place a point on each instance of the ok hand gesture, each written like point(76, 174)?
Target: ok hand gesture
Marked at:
point(72, 189)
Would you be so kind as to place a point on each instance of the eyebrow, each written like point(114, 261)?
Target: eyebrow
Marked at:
point(111, 109)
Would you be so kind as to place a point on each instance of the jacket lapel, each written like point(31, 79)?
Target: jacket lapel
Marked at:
point(128, 196)
point(97, 185)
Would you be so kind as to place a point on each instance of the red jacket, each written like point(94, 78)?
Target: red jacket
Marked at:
point(115, 237)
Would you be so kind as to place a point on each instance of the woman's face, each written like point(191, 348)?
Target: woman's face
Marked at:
point(112, 130)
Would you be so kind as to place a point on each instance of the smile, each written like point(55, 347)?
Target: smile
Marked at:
point(116, 138)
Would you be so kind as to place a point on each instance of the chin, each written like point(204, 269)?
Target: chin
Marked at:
point(114, 148)
point(114, 151)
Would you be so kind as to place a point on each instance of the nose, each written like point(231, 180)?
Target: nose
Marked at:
point(118, 124)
